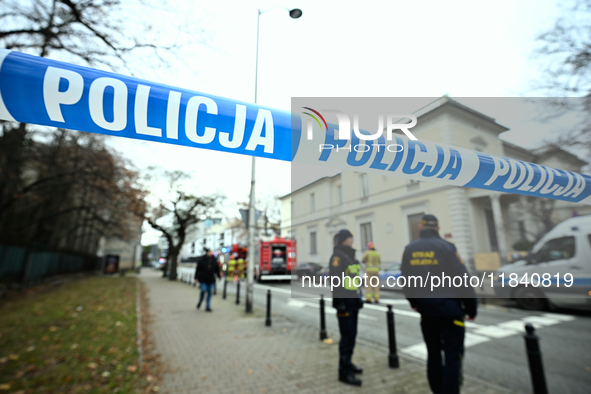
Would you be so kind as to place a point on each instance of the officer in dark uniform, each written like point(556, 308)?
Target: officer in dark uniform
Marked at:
point(347, 301)
point(443, 309)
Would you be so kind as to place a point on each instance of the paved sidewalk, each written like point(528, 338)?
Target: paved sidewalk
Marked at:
point(227, 351)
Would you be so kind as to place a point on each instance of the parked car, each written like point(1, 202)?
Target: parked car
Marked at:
point(389, 271)
point(556, 273)
point(308, 269)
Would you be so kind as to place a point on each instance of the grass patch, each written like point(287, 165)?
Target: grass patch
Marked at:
point(79, 337)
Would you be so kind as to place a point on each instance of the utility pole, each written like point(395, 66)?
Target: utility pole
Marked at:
point(294, 14)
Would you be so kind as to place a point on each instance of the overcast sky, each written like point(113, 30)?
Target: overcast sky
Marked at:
point(343, 48)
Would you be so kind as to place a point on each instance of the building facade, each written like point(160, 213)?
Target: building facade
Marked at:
point(215, 234)
point(212, 234)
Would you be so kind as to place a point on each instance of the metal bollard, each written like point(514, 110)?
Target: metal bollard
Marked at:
point(238, 293)
point(225, 285)
point(323, 334)
point(392, 357)
point(268, 320)
point(534, 357)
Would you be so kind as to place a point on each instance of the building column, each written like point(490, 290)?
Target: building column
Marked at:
point(495, 200)
point(461, 230)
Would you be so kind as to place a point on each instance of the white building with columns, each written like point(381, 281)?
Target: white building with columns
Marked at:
point(483, 224)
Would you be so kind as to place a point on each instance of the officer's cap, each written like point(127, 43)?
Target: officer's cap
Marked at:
point(429, 221)
point(343, 235)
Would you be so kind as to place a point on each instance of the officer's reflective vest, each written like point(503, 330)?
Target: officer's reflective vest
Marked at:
point(240, 264)
point(372, 260)
point(231, 265)
point(351, 273)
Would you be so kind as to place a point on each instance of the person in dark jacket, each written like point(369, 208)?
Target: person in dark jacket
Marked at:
point(206, 272)
point(347, 301)
point(442, 308)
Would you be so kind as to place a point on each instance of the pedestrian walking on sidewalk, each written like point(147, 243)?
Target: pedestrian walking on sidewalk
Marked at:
point(347, 301)
point(443, 308)
point(371, 260)
point(206, 273)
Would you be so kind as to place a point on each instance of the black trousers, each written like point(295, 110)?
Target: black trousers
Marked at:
point(444, 333)
point(348, 328)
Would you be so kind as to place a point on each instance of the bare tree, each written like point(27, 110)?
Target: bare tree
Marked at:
point(73, 191)
point(175, 217)
point(94, 32)
point(540, 212)
point(270, 207)
point(566, 49)
point(106, 33)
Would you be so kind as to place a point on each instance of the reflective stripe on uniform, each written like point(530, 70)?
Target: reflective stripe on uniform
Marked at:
point(351, 273)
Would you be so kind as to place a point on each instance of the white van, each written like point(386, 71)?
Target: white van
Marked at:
point(556, 273)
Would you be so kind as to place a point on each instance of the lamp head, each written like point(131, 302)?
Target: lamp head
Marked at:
point(295, 13)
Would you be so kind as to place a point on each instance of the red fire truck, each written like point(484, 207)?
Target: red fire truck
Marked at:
point(275, 259)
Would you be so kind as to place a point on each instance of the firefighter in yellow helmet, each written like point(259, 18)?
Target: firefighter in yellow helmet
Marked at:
point(231, 268)
point(371, 260)
point(240, 267)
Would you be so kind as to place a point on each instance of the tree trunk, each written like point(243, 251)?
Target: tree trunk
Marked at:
point(172, 260)
point(12, 146)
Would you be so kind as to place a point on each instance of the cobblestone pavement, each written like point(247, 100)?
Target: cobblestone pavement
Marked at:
point(228, 351)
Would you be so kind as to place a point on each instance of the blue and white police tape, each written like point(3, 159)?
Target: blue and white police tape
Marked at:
point(47, 92)
point(434, 162)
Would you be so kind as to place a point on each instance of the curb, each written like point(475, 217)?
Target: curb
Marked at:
point(138, 311)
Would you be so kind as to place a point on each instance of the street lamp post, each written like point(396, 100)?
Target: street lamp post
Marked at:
point(294, 14)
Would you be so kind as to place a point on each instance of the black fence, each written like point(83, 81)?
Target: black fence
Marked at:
point(27, 266)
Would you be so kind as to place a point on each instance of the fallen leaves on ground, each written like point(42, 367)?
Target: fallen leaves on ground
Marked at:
point(40, 346)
